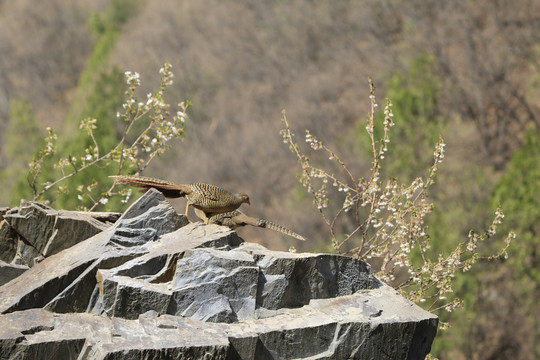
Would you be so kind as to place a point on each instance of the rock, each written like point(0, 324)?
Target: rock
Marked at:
point(140, 281)
point(34, 231)
point(65, 282)
point(153, 286)
point(8, 242)
point(9, 272)
point(215, 285)
point(338, 328)
point(292, 280)
point(224, 285)
point(50, 231)
point(104, 217)
point(39, 334)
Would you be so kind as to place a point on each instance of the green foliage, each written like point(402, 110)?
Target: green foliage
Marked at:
point(99, 57)
point(106, 26)
point(103, 103)
point(117, 13)
point(516, 280)
point(21, 139)
point(415, 99)
point(96, 24)
point(120, 12)
point(518, 192)
point(22, 129)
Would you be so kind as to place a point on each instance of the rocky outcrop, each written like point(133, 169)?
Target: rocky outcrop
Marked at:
point(153, 286)
point(34, 231)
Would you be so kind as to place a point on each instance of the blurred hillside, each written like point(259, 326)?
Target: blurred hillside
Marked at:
point(468, 70)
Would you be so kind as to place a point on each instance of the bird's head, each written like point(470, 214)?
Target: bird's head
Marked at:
point(244, 197)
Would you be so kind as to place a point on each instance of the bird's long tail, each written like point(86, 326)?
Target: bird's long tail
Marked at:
point(234, 219)
point(168, 189)
point(272, 226)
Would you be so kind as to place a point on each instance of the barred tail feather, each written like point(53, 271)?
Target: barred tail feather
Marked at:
point(168, 189)
point(272, 226)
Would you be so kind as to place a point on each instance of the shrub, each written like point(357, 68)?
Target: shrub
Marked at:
point(382, 221)
point(147, 128)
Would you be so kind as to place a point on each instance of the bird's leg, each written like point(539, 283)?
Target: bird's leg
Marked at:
point(201, 215)
point(187, 208)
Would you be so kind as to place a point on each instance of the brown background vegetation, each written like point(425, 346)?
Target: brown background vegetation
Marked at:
point(241, 62)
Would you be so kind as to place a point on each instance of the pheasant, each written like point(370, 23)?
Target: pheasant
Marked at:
point(208, 199)
point(235, 219)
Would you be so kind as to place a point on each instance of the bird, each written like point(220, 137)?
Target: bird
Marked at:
point(207, 199)
point(236, 218)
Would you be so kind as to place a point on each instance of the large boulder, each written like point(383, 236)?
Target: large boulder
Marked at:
point(153, 286)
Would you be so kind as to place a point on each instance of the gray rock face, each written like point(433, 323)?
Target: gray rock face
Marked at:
point(64, 282)
point(9, 272)
point(34, 231)
point(153, 286)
